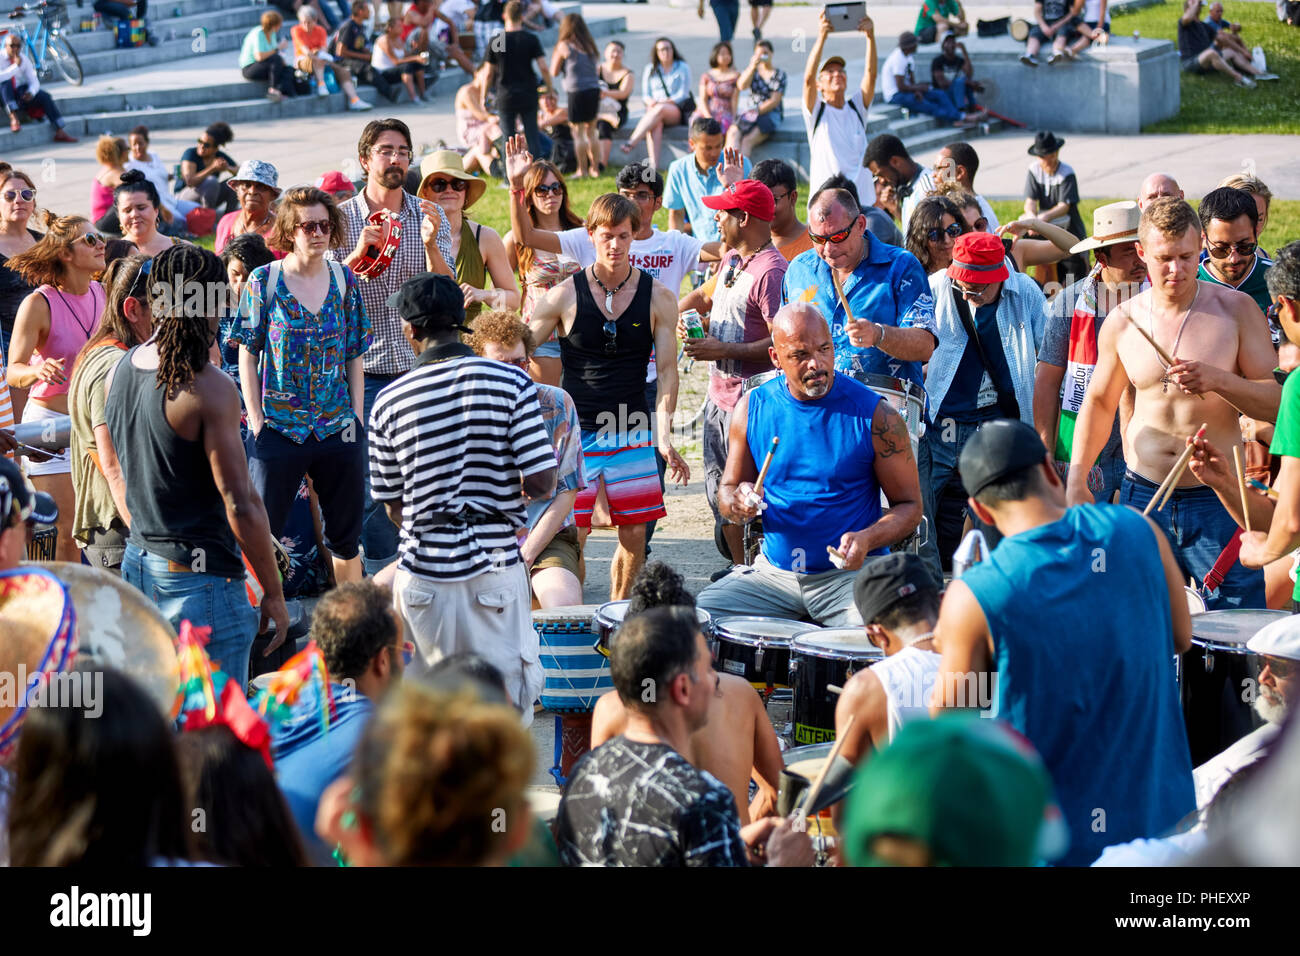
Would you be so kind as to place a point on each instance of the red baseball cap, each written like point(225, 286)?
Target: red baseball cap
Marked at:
point(335, 182)
point(748, 195)
point(978, 258)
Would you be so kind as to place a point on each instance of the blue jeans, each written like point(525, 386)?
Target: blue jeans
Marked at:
point(1198, 527)
point(378, 533)
point(934, 102)
point(203, 599)
point(336, 12)
point(727, 13)
point(959, 94)
point(13, 100)
point(937, 465)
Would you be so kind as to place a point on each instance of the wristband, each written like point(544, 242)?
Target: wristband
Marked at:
point(518, 192)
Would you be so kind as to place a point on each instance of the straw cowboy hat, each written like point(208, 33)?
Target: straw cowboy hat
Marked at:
point(1111, 225)
point(448, 162)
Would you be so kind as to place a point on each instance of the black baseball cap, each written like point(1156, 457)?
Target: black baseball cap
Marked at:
point(997, 449)
point(885, 581)
point(430, 301)
point(17, 493)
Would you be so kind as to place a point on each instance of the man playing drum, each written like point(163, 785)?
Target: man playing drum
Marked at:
point(1222, 357)
point(821, 496)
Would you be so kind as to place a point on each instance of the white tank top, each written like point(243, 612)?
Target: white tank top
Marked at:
point(908, 677)
point(381, 61)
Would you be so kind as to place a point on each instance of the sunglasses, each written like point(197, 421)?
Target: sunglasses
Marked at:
point(1281, 668)
point(92, 239)
point(311, 227)
point(935, 235)
point(971, 291)
point(26, 195)
point(554, 189)
point(519, 363)
point(455, 185)
point(1221, 250)
point(611, 336)
point(833, 237)
point(207, 143)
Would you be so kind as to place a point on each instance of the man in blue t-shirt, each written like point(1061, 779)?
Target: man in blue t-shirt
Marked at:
point(1089, 677)
point(840, 446)
point(360, 638)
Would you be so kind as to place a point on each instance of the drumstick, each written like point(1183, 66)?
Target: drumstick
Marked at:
point(1262, 488)
point(814, 791)
point(767, 463)
point(839, 294)
point(1160, 491)
point(1241, 486)
point(835, 689)
point(1176, 472)
point(1169, 360)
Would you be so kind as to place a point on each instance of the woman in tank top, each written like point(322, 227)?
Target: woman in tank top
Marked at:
point(575, 58)
point(53, 324)
point(389, 58)
point(111, 153)
point(547, 199)
point(616, 82)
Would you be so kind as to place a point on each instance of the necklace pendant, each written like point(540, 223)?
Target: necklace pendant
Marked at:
point(609, 302)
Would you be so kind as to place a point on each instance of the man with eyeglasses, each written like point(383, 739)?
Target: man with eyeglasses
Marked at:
point(384, 152)
point(740, 310)
point(990, 323)
point(1232, 256)
point(1222, 368)
point(21, 507)
point(958, 162)
point(608, 317)
point(21, 90)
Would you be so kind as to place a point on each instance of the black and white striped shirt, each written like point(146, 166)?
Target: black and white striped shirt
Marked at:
point(457, 434)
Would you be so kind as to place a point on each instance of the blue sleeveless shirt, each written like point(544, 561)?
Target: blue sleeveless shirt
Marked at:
point(822, 482)
point(1079, 615)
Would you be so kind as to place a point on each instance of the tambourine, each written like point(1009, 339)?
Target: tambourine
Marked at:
point(376, 259)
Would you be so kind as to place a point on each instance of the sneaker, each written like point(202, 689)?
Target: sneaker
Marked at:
point(1028, 60)
point(758, 34)
point(360, 106)
point(1245, 81)
point(63, 136)
point(1054, 58)
point(275, 96)
point(1266, 76)
point(322, 91)
point(1069, 53)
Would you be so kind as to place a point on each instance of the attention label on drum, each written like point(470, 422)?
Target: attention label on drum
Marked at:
point(734, 667)
point(804, 734)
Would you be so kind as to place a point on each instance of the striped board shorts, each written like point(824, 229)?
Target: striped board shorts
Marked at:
point(626, 463)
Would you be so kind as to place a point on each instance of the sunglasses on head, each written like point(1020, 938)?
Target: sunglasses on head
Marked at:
point(554, 189)
point(1221, 250)
point(833, 237)
point(455, 185)
point(311, 227)
point(935, 235)
point(26, 195)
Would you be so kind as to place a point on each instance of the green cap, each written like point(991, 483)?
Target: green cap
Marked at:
point(970, 789)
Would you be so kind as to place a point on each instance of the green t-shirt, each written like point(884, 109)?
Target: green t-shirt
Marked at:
point(94, 506)
point(1253, 285)
point(929, 8)
point(255, 42)
point(1286, 433)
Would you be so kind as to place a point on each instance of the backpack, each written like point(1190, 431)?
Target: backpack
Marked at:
point(847, 102)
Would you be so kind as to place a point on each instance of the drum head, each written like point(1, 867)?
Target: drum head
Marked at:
point(841, 643)
point(1229, 630)
point(760, 379)
point(1195, 603)
point(611, 613)
point(760, 630)
point(578, 613)
point(1019, 30)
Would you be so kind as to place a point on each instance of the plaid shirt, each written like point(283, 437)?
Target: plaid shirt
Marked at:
point(389, 355)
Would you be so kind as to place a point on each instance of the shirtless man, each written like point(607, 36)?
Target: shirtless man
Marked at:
point(1221, 348)
point(737, 743)
point(899, 599)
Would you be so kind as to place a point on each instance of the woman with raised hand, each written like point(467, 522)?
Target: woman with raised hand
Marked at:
point(53, 324)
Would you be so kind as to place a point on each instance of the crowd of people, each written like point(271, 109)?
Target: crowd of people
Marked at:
point(895, 380)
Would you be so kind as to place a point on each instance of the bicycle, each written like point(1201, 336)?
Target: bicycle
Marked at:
point(48, 47)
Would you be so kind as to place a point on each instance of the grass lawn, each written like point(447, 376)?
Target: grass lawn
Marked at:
point(1211, 104)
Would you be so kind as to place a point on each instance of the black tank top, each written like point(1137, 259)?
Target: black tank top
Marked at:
point(622, 104)
point(601, 382)
point(175, 507)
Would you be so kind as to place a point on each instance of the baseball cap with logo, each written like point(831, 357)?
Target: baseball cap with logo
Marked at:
point(747, 195)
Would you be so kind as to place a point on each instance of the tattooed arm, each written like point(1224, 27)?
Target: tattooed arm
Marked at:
point(896, 473)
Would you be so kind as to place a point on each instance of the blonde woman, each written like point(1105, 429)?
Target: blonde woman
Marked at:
point(53, 325)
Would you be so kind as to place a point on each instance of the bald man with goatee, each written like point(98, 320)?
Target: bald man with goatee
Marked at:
point(1222, 366)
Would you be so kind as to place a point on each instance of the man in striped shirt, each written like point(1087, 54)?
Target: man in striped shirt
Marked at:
point(449, 444)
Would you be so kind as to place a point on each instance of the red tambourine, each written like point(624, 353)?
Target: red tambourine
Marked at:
point(376, 259)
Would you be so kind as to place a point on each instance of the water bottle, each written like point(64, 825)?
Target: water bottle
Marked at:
point(1137, 35)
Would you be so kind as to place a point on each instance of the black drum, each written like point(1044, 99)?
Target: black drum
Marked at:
point(757, 649)
point(1220, 678)
point(817, 658)
point(609, 618)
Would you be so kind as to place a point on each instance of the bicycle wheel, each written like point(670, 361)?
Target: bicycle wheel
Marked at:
point(65, 59)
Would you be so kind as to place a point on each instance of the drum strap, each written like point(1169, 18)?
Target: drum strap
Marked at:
point(1223, 564)
point(1007, 404)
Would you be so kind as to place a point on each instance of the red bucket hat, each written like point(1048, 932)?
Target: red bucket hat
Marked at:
point(748, 195)
point(978, 258)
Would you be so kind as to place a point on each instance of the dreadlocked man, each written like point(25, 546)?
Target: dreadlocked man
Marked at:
point(174, 420)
